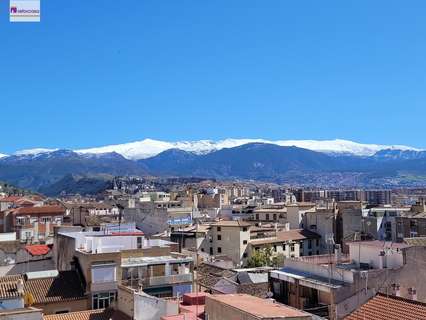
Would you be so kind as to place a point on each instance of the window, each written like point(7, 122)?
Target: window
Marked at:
point(244, 229)
point(202, 249)
point(219, 229)
point(219, 250)
point(45, 219)
point(267, 217)
point(275, 216)
point(257, 216)
point(61, 311)
point(317, 242)
point(102, 273)
point(275, 247)
point(211, 251)
point(219, 237)
point(244, 255)
point(309, 244)
point(244, 241)
point(20, 221)
point(292, 247)
point(102, 300)
point(139, 242)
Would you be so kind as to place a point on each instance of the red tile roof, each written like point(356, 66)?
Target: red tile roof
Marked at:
point(37, 249)
point(10, 199)
point(40, 210)
point(256, 307)
point(383, 307)
point(66, 286)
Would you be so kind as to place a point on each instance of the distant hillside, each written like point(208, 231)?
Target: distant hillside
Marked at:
point(66, 171)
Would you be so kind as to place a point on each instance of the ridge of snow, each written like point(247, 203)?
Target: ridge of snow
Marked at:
point(148, 148)
point(33, 152)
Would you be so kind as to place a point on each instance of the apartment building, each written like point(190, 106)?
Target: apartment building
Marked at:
point(92, 213)
point(107, 258)
point(228, 238)
point(329, 285)
point(34, 224)
point(290, 243)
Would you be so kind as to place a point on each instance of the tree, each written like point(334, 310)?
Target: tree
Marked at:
point(261, 258)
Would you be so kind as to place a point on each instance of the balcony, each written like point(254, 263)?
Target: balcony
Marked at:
point(172, 279)
point(103, 286)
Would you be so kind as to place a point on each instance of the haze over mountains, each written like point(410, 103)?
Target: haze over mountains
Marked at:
point(332, 163)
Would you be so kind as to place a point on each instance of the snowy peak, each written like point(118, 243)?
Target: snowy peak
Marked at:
point(148, 148)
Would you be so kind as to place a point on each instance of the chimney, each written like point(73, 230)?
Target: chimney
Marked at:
point(382, 257)
point(287, 226)
point(396, 289)
point(412, 293)
point(338, 253)
point(20, 286)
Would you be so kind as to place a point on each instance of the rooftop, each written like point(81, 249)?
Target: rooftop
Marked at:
point(40, 210)
point(99, 314)
point(260, 308)
point(417, 241)
point(145, 261)
point(66, 286)
point(231, 223)
point(291, 235)
point(380, 244)
point(383, 307)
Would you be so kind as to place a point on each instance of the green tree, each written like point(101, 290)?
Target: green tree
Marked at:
point(261, 258)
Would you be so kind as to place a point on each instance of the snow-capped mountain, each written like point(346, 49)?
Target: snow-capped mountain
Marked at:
point(148, 148)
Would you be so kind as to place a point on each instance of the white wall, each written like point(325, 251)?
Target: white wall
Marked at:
point(371, 255)
point(150, 308)
point(9, 236)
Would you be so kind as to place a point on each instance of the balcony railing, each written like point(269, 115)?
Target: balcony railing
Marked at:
point(158, 281)
point(103, 286)
point(172, 279)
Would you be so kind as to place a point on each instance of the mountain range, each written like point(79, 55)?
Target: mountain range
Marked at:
point(148, 148)
point(334, 163)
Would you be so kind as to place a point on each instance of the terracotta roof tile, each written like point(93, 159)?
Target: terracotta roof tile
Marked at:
point(40, 210)
point(8, 290)
point(66, 286)
point(383, 307)
point(37, 249)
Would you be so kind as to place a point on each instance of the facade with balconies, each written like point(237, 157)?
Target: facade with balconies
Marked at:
point(107, 259)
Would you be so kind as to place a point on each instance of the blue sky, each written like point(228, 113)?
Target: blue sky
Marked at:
point(102, 72)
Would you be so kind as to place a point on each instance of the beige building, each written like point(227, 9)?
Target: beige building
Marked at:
point(290, 244)
point(228, 238)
